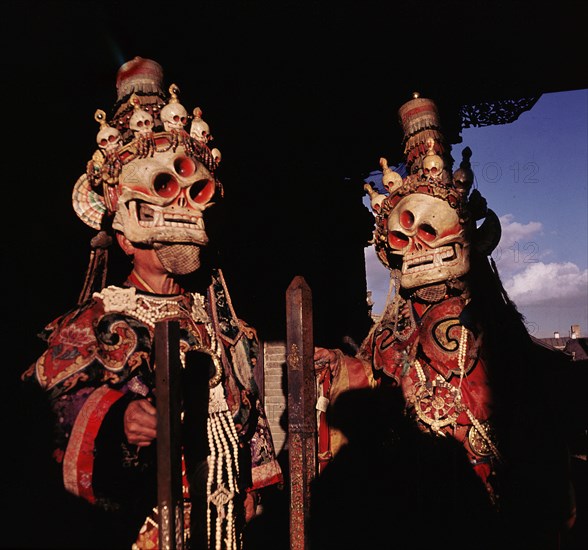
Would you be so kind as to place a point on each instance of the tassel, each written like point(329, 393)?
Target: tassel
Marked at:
point(95, 279)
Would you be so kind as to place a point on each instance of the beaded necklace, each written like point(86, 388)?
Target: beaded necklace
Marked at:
point(223, 441)
point(438, 403)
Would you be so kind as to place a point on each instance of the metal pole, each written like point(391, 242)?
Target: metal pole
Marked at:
point(302, 429)
point(169, 452)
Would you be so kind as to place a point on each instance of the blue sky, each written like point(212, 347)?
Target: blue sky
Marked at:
point(534, 174)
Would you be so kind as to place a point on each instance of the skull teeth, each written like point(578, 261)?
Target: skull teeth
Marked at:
point(424, 261)
point(150, 218)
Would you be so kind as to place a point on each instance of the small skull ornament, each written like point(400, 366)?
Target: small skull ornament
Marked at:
point(463, 177)
point(390, 179)
point(199, 129)
point(432, 163)
point(429, 236)
point(376, 199)
point(174, 115)
point(216, 155)
point(141, 122)
point(108, 138)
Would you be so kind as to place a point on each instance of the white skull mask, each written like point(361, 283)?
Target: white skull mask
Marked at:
point(163, 198)
point(426, 231)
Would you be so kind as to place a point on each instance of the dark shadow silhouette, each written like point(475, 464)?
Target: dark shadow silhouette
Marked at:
point(270, 529)
point(37, 512)
point(392, 486)
point(538, 412)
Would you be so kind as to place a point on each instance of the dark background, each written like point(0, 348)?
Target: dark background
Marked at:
point(302, 99)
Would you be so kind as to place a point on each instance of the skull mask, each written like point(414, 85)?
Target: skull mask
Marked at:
point(429, 236)
point(163, 198)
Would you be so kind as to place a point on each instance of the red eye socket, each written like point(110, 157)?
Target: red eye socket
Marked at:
point(184, 166)
point(140, 124)
point(166, 186)
point(103, 141)
point(426, 232)
point(176, 118)
point(202, 191)
point(147, 123)
point(397, 240)
point(112, 138)
point(184, 120)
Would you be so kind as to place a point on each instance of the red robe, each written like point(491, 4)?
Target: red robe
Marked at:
point(98, 359)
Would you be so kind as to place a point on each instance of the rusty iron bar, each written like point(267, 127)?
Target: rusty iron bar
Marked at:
point(169, 453)
point(302, 396)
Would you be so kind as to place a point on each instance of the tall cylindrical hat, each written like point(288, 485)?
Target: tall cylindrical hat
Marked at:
point(419, 119)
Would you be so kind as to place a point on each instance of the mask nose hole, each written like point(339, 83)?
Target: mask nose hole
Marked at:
point(397, 240)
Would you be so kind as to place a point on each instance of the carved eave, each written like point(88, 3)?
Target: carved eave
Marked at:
point(492, 113)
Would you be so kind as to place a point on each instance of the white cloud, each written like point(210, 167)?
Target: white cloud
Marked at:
point(512, 230)
point(527, 276)
point(518, 246)
point(529, 280)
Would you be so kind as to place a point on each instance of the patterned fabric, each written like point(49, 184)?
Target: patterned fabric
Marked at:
point(446, 395)
point(99, 358)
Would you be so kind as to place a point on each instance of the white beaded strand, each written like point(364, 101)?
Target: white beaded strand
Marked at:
point(220, 512)
point(212, 458)
point(232, 486)
point(461, 354)
point(231, 432)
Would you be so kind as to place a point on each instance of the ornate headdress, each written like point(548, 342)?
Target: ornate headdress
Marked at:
point(149, 178)
point(427, 220)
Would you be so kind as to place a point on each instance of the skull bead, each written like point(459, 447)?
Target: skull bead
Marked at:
point(174, 115)
point(162, 199)
point(108, 138)
point(432, 163)
point(141, 122)
point(199, 129)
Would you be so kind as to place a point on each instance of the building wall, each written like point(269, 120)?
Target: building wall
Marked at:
point(274, 384)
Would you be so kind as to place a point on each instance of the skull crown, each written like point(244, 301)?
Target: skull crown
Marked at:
point(425, 222)
point(148, 173)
